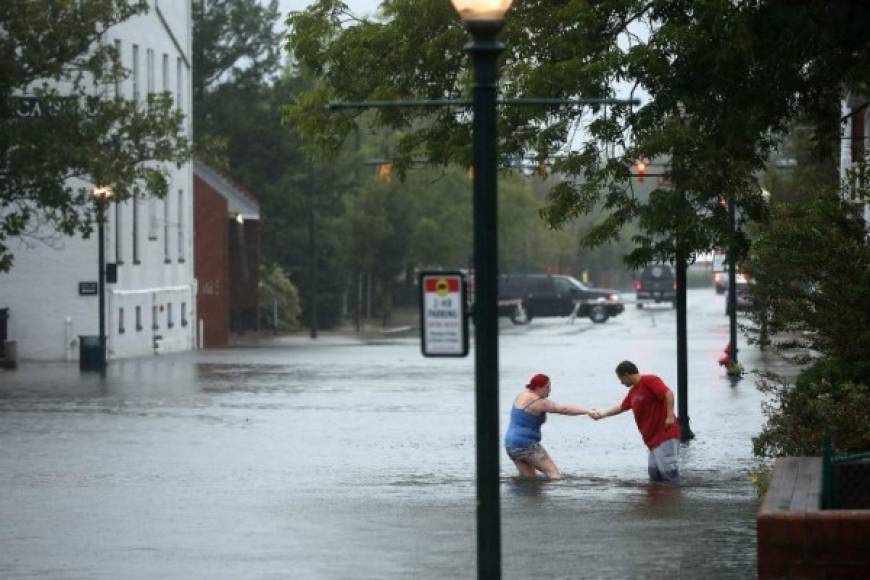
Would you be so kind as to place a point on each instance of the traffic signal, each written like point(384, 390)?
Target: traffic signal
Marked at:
point(640, 169)
point(385, 172)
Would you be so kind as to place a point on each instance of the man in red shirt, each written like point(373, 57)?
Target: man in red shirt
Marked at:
point(653, 405)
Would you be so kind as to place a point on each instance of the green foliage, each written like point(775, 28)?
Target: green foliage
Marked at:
point(278, 293)
point(713, 114)
point(811, 267)
point(234, 42)
point(761, 476)
point(831, 397)
point(56, 55)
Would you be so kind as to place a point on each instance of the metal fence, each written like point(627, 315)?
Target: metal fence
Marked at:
point(845, 479)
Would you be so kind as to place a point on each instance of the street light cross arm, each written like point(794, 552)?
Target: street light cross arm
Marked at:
point(538, 101)
point(341, 106)
point(527, 102)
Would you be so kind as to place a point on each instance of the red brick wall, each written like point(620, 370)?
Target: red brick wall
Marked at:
point(211, 262)
point(823, 544)
point(797, 539)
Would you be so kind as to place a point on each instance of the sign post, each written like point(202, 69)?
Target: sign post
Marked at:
point(443, 314)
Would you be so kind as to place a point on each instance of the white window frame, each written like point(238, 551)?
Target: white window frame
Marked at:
point(135, 201)
point(180, 222)
point(179, 84)
point(135, 67)
point(149, 57)
point(119, 50)
point(119, 233)
point(166, 258)
point(166, 87)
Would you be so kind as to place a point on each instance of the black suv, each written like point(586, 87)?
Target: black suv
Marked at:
point(656, 283)
point(526, 296)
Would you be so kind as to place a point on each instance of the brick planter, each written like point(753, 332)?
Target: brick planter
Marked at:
point(797, 539)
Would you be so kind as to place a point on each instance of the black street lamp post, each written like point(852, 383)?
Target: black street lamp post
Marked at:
point(732, 278)
point(682, 347)
point(484, 49)
point(101, 197)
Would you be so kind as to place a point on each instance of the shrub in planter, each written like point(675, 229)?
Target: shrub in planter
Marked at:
point(831, 396)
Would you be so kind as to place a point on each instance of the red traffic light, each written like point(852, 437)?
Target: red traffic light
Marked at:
point(639, 169)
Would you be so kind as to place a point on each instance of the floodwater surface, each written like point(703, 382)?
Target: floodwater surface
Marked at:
point(348, 457)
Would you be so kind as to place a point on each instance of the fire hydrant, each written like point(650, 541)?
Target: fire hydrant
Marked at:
point(732, 369)
point(725, 359)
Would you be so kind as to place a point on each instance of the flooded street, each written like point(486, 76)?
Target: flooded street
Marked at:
point(351, 458)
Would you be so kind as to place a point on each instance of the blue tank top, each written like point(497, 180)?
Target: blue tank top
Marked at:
point(524, 428)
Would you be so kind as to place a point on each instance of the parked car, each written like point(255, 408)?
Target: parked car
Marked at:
point(743, 296)
point(523, 297)
point(655, 284)
point(720, 280)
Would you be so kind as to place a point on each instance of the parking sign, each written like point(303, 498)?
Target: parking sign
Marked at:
point(443, 314)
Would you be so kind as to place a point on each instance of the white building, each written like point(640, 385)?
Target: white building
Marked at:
point(151, 307)
point(854, 145)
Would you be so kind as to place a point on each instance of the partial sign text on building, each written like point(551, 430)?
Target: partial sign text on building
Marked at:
point(443, 314)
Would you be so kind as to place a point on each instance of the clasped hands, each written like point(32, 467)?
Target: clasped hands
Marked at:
point(595, 414)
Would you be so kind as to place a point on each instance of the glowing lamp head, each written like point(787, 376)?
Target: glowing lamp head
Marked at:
point(481, 9)
point(102, 193)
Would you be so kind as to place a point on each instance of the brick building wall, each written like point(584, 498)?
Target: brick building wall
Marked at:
point(798, 539)
point(211, 268)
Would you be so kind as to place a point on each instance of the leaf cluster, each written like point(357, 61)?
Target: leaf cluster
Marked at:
point(811, 266)
point(831, 397)
point(234, 42)
point(723, 80)
point(55, 61)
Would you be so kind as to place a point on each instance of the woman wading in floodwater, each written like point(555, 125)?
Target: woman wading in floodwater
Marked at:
point(523, 437)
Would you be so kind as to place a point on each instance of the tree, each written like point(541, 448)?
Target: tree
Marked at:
point(723, 79)
point(810, 266)
point(61, 130)
point(235, 42)
point(278, 298)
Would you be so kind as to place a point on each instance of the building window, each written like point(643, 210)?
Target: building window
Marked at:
point(180, 222)
point(169, 322)
point(153, 222)
point(155, 324)
point(149, 59)
point(165, 73)
point(136, 73)
point(120, 60)
point(179, 84)
point(119, 243)
point(184, 314)
point(138, 318)
point(166, 244)
point(135, 199)
point(120, 321)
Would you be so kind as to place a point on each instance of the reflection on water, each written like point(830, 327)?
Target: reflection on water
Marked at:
point(526, 486)
point(335, 459)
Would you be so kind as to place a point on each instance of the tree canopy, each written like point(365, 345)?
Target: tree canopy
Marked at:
point(235, 45)
point(62, 128)
point(723, 81)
